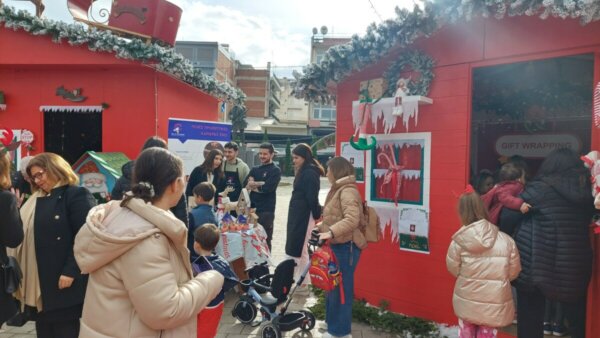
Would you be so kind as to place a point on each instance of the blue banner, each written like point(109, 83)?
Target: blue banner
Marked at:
point(184, 130)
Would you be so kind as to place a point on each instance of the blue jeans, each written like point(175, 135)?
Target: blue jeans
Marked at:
point(337, 315)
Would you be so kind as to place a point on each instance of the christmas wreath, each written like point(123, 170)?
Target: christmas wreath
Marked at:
point(418, 62)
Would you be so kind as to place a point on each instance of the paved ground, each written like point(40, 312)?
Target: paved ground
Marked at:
point(230, 327)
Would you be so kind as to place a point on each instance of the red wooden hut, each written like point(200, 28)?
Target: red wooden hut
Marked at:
point(503, 85)
point(94, 90)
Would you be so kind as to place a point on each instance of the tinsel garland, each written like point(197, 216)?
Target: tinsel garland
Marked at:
point(400, 32)
point(163, 58)
point(418, 62)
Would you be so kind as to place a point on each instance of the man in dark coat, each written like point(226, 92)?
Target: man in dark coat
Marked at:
point(554, 244)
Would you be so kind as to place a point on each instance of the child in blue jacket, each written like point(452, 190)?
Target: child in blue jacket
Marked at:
point(206, 238)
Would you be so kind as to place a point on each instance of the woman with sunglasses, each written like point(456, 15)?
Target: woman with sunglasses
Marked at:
point(53, 287)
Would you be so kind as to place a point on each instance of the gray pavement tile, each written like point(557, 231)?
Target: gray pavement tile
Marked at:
point(249, 330)
point(5, 335)
point(235, 328)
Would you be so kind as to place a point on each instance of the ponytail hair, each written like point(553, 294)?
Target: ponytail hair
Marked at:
point(303, 150)
point(155, 169)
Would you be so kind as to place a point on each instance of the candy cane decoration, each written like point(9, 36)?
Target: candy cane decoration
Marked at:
point(597, 105)
point(394, 172)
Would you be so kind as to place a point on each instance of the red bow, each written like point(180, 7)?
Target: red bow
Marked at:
point(393, 174)
point(468, 190)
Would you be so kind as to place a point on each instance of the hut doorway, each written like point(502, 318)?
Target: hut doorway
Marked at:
point(71, 133)
point(525, 110)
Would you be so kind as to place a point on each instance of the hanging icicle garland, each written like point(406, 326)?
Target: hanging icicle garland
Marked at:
point(165, 59)
point(400, 32)
point(416, 61)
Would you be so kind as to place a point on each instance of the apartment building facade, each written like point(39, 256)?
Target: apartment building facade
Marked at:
point(322, 117)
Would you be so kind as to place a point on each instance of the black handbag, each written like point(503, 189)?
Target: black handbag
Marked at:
point(11, 274)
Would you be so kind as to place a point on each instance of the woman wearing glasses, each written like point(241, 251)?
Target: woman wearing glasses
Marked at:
point(53, 286)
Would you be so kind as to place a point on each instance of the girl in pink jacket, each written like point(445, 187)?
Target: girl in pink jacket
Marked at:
point(484, 261)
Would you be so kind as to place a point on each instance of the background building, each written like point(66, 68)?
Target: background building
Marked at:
point(213, 59)
point(322, 117)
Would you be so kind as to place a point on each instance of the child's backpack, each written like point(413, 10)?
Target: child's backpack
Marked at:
point(324, 271)
point(371, 229)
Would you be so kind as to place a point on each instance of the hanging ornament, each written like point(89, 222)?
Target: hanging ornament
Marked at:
point(370, 93)
point(597, 105)
point(27, 139)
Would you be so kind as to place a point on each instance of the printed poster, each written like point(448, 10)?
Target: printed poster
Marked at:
point(356, 157)
point(413, 228)
point(192, 140)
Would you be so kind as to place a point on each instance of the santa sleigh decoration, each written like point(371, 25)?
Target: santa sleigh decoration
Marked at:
point(150, 20)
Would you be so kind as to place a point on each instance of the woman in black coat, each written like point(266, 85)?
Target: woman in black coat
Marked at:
point(304, 202)
point(11, 233)
point(554, 243)
point(208, 171)
point(52, 217)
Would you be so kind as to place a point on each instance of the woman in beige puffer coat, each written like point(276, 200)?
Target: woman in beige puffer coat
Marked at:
point(342, 219)
point(484, 260)
point(135, 251)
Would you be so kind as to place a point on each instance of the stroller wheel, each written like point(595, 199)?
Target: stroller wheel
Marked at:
point(270, 330)
point(309, 322)
point(244, 311)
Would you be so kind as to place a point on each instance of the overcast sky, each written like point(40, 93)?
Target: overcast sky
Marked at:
point(260, 31)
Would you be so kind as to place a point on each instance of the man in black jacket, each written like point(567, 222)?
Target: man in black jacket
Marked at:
point(262, 182)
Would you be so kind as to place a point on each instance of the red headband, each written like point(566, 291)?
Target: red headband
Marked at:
point(468, 190)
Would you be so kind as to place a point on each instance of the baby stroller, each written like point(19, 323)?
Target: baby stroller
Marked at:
point(269, 291)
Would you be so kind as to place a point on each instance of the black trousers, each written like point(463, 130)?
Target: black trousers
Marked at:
point(60, 329)
point(575, 314)
point(530, 315)
point(266, 219)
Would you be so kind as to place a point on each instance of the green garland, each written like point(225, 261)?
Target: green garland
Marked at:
point(381, 319)
point(163, 58)
point(340, 61)
point(418, 62)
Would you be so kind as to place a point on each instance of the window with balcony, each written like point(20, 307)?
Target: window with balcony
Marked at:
point(324, 113)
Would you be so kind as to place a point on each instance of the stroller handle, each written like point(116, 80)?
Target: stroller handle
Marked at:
point(314, 238)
